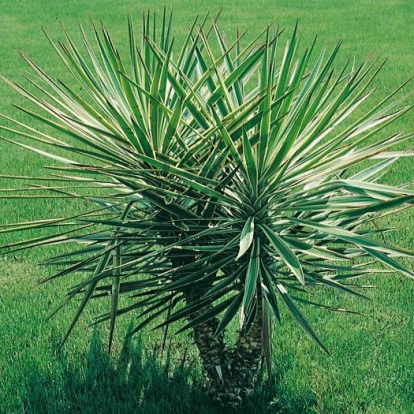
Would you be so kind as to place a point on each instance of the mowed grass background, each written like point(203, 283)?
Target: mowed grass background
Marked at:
point(370, 370)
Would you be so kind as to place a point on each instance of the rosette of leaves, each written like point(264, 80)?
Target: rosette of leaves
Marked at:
point(217, 180)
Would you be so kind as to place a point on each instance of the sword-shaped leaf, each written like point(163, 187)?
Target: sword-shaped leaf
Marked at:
point(251, 281)
point(246, 237)
point(299, 316)
point(285, 252)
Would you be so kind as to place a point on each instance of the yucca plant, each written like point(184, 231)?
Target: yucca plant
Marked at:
point(219, 182)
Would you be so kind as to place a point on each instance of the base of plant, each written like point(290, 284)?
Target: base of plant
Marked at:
point(232, 373)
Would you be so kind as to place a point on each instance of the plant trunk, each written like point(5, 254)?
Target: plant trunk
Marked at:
point(231, 372)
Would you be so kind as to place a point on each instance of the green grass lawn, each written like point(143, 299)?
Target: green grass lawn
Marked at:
point(372, 356)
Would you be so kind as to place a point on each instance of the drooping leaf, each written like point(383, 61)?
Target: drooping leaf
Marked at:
point(286, 253)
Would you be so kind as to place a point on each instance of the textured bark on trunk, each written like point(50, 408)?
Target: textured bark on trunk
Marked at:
point(231, 372)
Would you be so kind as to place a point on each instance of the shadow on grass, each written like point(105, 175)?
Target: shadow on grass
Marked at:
point(137, 383)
